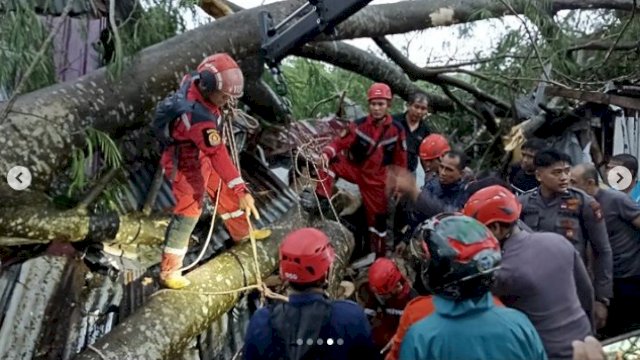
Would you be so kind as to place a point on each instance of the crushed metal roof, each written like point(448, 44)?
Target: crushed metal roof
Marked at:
point(55, 306)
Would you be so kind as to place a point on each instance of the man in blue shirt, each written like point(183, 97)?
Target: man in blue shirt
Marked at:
point(459, 256)
point(310, 325)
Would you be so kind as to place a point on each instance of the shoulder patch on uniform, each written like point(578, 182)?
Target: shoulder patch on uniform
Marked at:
point(597, 210)
point(573, 204)
point(211, 137)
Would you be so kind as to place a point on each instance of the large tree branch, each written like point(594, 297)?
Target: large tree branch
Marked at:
point(406, 16)
point(605, 45)
point(417, 73)
point(353, 59)
point(41, 129)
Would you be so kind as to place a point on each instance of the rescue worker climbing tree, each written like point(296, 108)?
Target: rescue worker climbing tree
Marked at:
point(361, 155)
point(196, 159)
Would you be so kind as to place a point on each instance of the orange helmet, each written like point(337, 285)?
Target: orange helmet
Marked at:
point(493, 203)
point(220, 72)
point(433, 146)
point(379, 91)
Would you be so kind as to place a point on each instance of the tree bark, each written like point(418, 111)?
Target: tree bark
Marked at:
point(359, 61)
point(163, 328)
point(43, 223)
point(43, 126)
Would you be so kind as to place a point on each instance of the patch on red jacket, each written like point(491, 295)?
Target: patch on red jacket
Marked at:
point(211, 137)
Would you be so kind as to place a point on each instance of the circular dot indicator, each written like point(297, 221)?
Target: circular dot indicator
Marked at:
point(299, 342)
point(309, 341)
point(340, 342)
point(329, 341)
point(319, 342)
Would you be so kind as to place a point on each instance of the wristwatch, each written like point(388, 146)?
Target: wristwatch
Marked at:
point(603, 301)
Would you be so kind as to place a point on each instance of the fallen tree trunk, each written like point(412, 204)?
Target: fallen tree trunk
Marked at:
point(43, 126)
point(164, 327)
point(31, 224)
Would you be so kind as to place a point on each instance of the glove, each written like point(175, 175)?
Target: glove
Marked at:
point(324, 161)
point(248, 204)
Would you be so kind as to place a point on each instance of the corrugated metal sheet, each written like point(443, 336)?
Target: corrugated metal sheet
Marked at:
point(52, 307)
point(626, 138)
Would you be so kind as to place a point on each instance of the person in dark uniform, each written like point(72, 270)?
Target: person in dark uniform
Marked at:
point(622, 216)
point(555, 207)
point(415, 126)
point(522, 176)
point(309, 325)
point(556, 297)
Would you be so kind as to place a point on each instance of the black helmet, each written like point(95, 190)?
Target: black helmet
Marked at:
point(458, 256)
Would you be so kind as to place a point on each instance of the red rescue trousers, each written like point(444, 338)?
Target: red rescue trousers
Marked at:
point(192, 177)
point(372, 189)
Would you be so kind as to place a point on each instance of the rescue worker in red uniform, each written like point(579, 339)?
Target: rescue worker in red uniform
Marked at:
point(198, 160)
point(385, 298)
point(361, 156)
point(431, 150)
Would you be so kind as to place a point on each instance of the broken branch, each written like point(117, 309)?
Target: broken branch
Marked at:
point(436, 77)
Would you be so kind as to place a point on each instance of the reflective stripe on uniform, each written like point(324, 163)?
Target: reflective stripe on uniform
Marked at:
point(333, 151)
point(396, 312)
point(373, 230)
point(235, 182)
point(174, 251)
point(232, 215)
point(365, 136)
point(185, 121)
point(388, 141)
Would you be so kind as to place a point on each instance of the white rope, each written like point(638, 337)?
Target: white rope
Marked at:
point(234, 154)
point(265, 292)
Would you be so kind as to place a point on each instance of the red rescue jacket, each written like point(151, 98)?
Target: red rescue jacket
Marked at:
point(196, 137)
point(362, 135)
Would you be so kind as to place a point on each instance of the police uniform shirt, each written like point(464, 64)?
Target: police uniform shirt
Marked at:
point(579, 218)
point(619, 212)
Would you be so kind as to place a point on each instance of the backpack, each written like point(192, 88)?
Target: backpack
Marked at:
point(172, 108)
point(293, 326)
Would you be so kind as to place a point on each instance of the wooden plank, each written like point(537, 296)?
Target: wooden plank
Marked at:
point(595, 97)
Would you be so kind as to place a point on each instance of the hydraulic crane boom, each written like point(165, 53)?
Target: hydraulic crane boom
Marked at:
point(311, 19)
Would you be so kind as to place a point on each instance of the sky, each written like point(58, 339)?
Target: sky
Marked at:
point(435, 46)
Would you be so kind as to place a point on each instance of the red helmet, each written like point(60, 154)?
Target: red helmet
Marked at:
point(379, 91)
point(305, 256)
point(493, 203)
point(433, 146)
point(220, 72)
point(384, 276)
